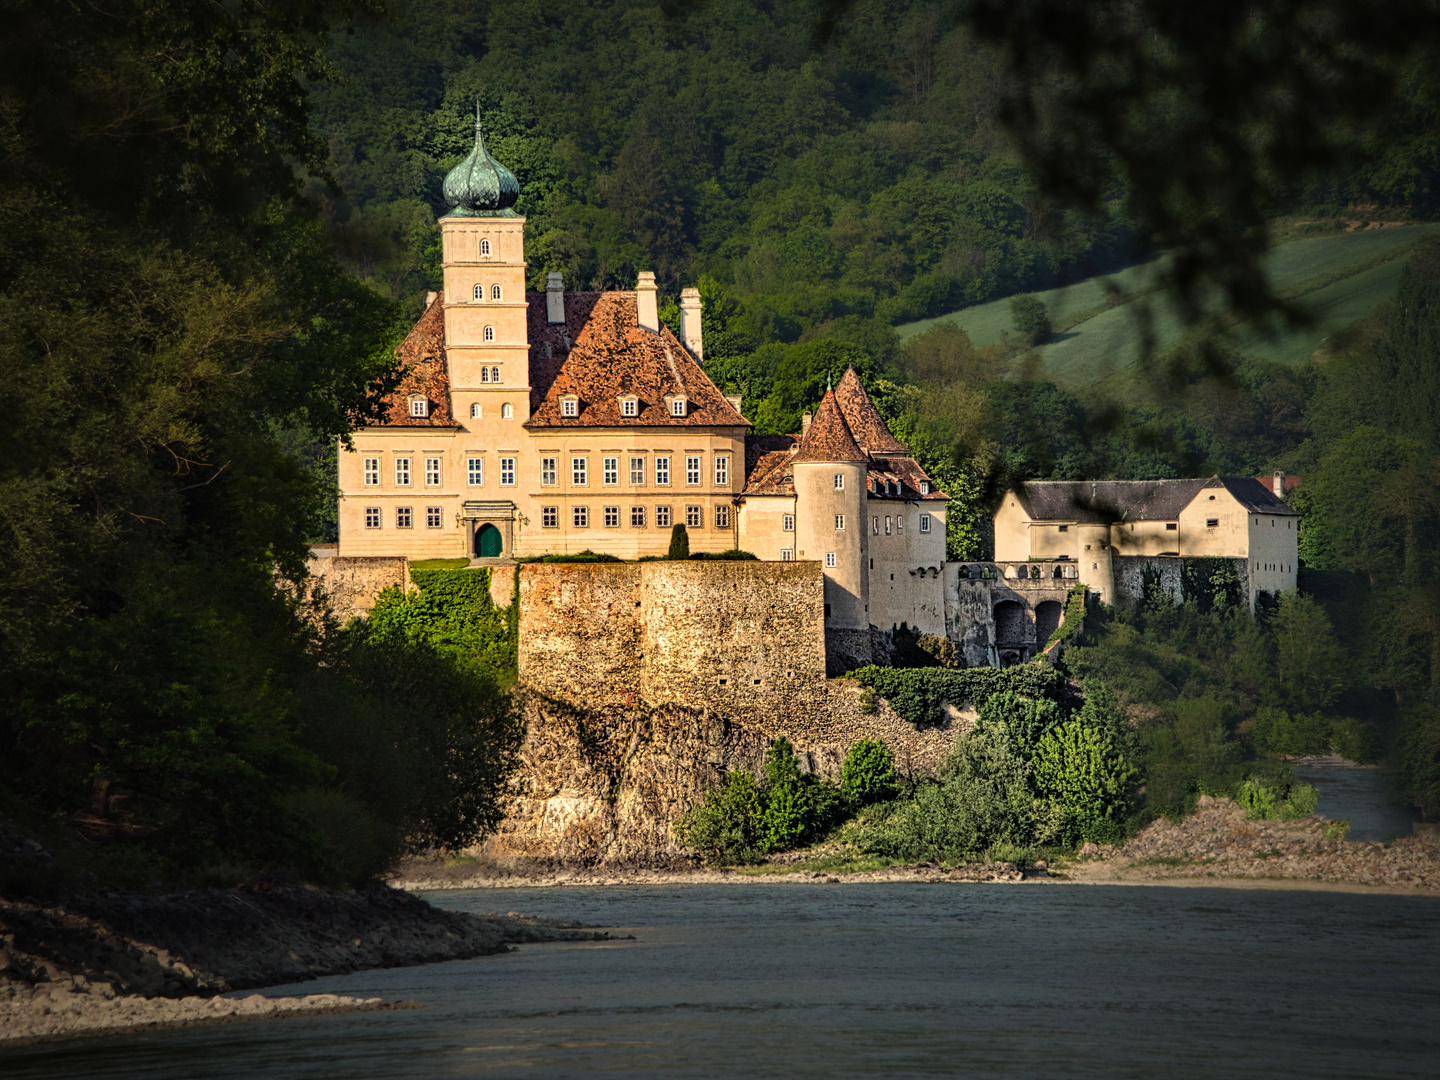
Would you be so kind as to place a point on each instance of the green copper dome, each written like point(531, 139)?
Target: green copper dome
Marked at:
point(480, 186)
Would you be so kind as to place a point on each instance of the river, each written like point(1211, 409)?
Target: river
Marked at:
point(785, 980)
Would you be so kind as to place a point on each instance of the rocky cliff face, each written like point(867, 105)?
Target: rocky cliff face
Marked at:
point(603, 786)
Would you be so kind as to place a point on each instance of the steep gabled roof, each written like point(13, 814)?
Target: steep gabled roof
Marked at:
point(829, 437)
point(866, 424)
point(767, 464)
point(601, 353)
point(1100, 502)
point(423, 351)
point(907, 473)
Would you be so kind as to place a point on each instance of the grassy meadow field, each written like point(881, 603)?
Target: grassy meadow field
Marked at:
point(1337, 278)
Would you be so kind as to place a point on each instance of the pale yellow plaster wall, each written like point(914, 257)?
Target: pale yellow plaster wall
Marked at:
point(1012, 530)
point(1145, 538)
point(1228, 538)
point(1053, 541)
point(419, 541)
point(762, 526)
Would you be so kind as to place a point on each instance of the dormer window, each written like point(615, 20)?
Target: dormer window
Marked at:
point(629, 406)
point(419, 407)
point(678, 404)
point(484, 250)
point(924, 487)
point(569, 405)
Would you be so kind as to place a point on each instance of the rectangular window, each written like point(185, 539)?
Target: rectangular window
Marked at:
point(839, 481)
point(580, 517)
point(722, 471)
point(372, 517)
point(637, 471)
point(549, 517)
point(432, 472)
point(899, 523)
point(787, 523)
point(722, 517)
point(547, 471)
point(612, 517)
point(403, 519)
point(875, 525)
point(662, 517)
point(694, 517)
point(432, 517)
point(839, 522)
point(677, 407)
point(569, 407)
point(924, 487)
point(924, 523)
point(637, 517)
point(662, 470)
point(692, 470)
point(507, 471)
point(402, 471)
point(787, 554)
point(372, 472)
point(475, 469)
point(629, 407)
point(418, 406)
point(1212, 523)
point(611, 469)
point(829, 561)
point(887, 524)
point(1063, 528)
point(578, 471)
point(1171, 526)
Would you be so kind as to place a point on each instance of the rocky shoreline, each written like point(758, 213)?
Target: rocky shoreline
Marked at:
point(110, 962)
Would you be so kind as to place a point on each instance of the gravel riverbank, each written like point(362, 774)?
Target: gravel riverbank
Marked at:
point(111, 962)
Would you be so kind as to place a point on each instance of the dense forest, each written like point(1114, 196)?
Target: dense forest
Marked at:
point(217, 220)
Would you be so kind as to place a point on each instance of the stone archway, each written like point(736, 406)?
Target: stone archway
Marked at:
point(1047, 620)
point(1010, 624)
point(489, 542)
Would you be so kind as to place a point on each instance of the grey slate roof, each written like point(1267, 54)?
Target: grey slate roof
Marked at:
point(1101, 502)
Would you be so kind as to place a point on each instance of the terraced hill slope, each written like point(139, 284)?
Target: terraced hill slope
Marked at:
point(1338, 278)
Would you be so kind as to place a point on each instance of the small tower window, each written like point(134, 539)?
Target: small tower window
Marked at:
point(478, 293)
point(494, 374)
point(839, 481)
point(494, 292)
point(484, 250)
point(924, 523)
point(507, 411)
point(787, 523)
point(484, 374)
point(488, 334)
point(475, 410)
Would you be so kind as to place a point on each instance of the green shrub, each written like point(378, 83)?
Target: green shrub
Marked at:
point(730, 555)
point(1078, 768)
point(1073, 615)
point(1275, 731)
point(868, 773)
point(1336, 830)
point(1276, 802)
point(724, 827)
point(1024, 719)
point(679, 542)
point(1028, 315)
point(916, 694)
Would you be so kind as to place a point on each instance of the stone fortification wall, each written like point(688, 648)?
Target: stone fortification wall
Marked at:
point(1130, 572)
point(580, 631)
point(352, 584)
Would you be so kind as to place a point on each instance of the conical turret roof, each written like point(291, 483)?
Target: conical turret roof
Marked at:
point(480, 186)
point(865, 421)
point(829, 437)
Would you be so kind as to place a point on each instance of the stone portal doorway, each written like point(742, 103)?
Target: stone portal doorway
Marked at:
point(489, 543)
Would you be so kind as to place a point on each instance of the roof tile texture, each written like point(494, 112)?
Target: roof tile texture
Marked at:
point(423, 351)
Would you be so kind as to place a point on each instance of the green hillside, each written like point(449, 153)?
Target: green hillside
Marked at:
point(1338, 278)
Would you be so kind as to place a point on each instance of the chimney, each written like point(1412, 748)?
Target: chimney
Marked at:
point(646, 304)
point(805, 419)
point(1279, 484)
point(735, 400)
point(430, 298)
point(690, 324)
point(554, 298)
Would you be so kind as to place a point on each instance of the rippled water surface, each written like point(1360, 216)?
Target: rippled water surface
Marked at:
point(878, 980)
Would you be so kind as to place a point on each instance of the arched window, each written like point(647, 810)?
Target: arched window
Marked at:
point(478, 293)
point(488, 334)
point(484, 250)
point(494, 292)
point(507, 411)
point(474, 409)
point(485, 372)
point(494, 374)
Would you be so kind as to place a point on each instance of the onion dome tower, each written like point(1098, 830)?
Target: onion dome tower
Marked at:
point(480, 186)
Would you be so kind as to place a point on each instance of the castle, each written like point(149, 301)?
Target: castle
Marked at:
point(532, 424)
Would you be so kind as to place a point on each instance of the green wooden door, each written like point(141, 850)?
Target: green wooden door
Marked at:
point(488, 542)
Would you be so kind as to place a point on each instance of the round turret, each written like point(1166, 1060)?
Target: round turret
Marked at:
point(480, 186)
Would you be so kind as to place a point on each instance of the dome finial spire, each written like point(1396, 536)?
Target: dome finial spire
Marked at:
point(480, 186)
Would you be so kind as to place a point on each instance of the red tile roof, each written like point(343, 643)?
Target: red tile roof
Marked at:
point(767, 464)
point(601, 353)
point(905, 474)
point(829, 437)
point(423, 351)
point(864, 419)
